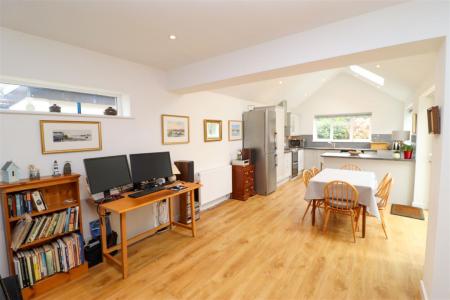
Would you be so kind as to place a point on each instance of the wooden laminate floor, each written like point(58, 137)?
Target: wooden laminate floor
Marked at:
point(259, 249)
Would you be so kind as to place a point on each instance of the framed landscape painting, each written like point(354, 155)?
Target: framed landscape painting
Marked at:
point(234, 130)
point(175, 129)
point(212, 130)
point(70, 136)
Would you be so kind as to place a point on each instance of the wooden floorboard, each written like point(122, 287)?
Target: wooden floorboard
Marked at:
point(260, 249)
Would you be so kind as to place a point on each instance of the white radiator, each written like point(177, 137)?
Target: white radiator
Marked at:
point(216, 185)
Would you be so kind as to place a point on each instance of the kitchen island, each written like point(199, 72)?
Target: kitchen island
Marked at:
point(379, 162)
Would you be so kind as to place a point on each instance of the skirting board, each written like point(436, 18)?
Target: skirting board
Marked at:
point(423, 291)
point(213, 203)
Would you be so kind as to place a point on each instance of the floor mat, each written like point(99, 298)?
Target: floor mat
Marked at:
point(407, 211)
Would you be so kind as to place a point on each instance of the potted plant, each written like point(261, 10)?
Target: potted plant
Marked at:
point(407, 151)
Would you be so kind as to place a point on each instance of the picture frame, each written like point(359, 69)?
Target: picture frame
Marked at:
point(59, 136)
point(414, 123)
point(175, 129)
point(212, 130)
point(235, 130)
point(434, 120)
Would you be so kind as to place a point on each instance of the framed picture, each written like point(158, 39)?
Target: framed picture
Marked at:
point(212, 130)
point(175, 129)
point(434, 120)
point(414, 123)
point(234, 130)
point(70, 136)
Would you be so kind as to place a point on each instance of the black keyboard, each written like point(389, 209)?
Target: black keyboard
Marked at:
point(146, 192)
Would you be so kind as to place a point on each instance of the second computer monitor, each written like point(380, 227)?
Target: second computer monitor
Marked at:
point(150, 166)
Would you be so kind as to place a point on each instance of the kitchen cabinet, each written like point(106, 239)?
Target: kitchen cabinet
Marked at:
point(301, 161)
point(287, 171)
point(295, 124)
point(312, 157)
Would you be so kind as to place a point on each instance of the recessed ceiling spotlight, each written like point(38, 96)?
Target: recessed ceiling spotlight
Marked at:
point(280, 82)
point(378, 66)
point(306, 94)
point(172, 37)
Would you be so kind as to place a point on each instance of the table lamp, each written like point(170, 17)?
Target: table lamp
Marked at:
point(175, 172)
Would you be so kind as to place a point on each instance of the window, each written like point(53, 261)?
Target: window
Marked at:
point(38, 99)
point(342, 128)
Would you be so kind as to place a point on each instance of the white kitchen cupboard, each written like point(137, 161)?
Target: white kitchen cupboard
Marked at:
point(279, 112)
point(301, 161)
point(295, 124)
point(313, 157)
point(287, 168)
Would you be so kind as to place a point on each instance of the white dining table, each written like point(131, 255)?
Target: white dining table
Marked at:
point(365, 182)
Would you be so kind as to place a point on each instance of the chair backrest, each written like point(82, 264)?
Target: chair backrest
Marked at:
point(350, 167)
point(307, 175)
point(384, 191)
point(315, 171)
point(383, 181)
point(340, 195)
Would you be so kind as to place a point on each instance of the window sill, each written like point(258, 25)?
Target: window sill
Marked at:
point(42, 113)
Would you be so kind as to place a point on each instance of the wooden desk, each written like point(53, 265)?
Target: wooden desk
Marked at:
point(126, 204)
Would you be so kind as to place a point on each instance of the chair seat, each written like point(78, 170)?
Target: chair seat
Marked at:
point(340, 205)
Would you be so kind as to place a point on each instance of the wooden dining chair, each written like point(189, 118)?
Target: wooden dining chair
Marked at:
point(307, 175)
point(315, 171)
point(351, 167)
point(341, 198)
point(383, 192)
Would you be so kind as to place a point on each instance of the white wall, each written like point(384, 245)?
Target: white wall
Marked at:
point(29, 57)
point(347, 94)
point(437, 259)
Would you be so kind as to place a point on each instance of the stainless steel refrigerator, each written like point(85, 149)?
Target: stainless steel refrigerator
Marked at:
point(260, 136)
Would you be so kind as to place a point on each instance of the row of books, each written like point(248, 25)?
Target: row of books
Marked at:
point(29, 230)
point(58, 256)
point(25, 202)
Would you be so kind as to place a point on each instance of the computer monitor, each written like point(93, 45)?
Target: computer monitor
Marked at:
point(150, 166)
point(105, 173)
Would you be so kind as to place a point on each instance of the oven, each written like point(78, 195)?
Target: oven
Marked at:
point(294, 163)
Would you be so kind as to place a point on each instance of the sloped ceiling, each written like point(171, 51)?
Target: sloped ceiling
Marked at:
point(403, 76)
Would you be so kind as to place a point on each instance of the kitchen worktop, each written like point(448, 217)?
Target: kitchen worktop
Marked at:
point(380, 155)
point(338, 148)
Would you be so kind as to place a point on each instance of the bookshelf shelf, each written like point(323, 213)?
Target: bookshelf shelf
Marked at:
point(44, 212)
point(55, 191)
point(44, 240)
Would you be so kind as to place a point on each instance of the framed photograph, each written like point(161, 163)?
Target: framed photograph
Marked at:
point(175, 129)
point(234, 130)
point(212, 130)
point(70, 136)
point(414, 123)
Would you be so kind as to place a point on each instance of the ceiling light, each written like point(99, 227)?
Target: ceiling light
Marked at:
point(280, 82)
point(172, 37)
point(306, 94)
point(378, 66)
point(367, 74)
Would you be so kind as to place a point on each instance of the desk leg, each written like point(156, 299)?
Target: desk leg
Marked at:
point(193, 225)
point(170, 212)
point(313, 211)
point(103, 229)
point(364, 210)
point(123, 241)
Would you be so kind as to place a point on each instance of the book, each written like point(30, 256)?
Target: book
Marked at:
point(38, 263)
point(38, 201)
point(20, 232)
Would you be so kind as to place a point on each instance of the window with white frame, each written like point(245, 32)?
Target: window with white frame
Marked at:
point(343, 128)
point(27, 98)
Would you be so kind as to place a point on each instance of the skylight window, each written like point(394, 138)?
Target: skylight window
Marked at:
point(377, 79)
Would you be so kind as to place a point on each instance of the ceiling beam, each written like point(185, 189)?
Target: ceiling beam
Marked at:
point(406, 29)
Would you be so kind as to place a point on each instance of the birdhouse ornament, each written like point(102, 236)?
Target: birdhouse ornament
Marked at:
point(10, 172)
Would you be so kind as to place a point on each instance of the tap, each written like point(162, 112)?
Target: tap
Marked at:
point(332, 144)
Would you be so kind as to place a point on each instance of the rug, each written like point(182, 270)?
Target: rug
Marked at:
point(407, 211)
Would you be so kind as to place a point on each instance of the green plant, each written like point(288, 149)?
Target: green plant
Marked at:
point(407, 147)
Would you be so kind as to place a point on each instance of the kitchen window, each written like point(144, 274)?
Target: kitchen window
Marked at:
point(343, 128)
point(28, 98)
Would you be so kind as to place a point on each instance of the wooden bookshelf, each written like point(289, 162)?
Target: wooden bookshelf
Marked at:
point(59, 193)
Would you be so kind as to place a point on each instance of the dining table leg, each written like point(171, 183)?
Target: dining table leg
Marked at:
point(313, 211)
point(364, 210)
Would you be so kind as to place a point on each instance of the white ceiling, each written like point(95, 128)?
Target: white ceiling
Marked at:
point(403, 76)
point(138, 30)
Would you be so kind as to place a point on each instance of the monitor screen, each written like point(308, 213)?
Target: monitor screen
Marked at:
point(105, 173)
point(150, 166)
